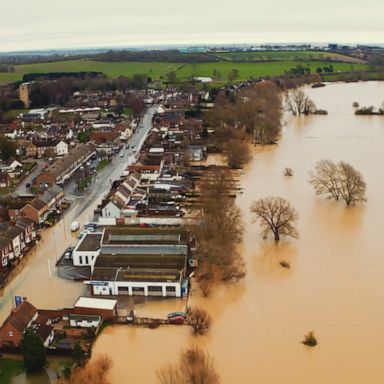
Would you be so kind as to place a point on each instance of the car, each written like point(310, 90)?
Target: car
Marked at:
point(75, 225)
point(177, 320)
point(67, 255)
point(176, 314)
point(28, 185)
point(127, 146)
point(121, 154)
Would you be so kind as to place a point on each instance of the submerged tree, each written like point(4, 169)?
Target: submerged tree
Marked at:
point(276, 216)
point(237, 152)
point(94, 372)
point(256, 111)
point(195, 367)
point(325, 179)
point(338, 181)
point(298, 103)
point(221, 227)
point(199, 320)
point(352, 184)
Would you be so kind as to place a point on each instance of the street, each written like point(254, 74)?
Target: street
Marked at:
point(38, 281)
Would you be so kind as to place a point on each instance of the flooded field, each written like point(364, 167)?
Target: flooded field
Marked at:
point(334, 286)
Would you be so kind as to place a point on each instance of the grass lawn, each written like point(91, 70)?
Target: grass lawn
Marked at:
point(85, 182)
point(101, 165)
point(10, 368)
point(28, 166)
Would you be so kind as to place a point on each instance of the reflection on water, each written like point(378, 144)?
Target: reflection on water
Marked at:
point(334, 286)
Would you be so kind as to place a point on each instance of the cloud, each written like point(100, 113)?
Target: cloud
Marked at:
point(72, 23)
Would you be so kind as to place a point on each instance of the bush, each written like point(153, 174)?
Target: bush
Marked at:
point(310, 339)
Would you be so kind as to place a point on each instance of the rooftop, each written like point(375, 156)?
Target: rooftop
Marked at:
point(95, 303)
point(131, 235)
point(90, 242)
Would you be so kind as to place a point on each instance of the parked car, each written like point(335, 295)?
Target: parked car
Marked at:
point(68, 253)
point(176, 314)
point(75, 225)
point(177, 320)
point(28, 185)
point(121, 154)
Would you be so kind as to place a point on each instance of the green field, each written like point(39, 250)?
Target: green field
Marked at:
point(254, 69)
point(285, 55)
point(158, 69)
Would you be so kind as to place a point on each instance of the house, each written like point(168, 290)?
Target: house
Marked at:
point(197, 152)
point(16, 323)
point(30, 149)
point(14, 168)
point(15, 236)
point(52, 196)
point(29, 228)
point(5, 251)
point(45, 331)
point(50, 148)
point(36, 211)
point(62, 169)
point(121, 197)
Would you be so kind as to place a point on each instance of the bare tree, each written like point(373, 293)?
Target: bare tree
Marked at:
point(256, 111)
point(299, 103)
point(352, 184)
point(195, 367)
point(276, 215)
point(325, 179)
point(199, 320)
point(237, 152)
point(338, 181)
point(94, 372)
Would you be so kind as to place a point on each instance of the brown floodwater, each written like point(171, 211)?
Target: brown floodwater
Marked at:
point(38, 280)
point(335, 284)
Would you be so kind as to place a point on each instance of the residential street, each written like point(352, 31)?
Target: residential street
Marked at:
point(38, 280)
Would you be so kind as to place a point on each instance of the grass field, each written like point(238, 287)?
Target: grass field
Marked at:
point(247, 70)
point(157, 69)
point(285, 55)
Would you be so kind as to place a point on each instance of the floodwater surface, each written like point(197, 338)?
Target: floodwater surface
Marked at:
point(334, 286)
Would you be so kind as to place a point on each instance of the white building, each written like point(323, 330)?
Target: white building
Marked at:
point(61, 148)
point(141, 262)
point(87, 250)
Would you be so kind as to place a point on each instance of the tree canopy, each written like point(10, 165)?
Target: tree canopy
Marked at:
point(33, 350)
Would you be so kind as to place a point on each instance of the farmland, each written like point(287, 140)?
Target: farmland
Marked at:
point(290, 55)
point(157, 70)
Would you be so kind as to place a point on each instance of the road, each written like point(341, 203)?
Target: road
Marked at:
point(22, 189)
point(38, 281)
point(103, 181)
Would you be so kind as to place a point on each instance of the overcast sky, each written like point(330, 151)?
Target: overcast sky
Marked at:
point(46, 24)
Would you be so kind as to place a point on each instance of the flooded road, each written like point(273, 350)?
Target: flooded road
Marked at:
point(38, 281)
point(335, 286)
